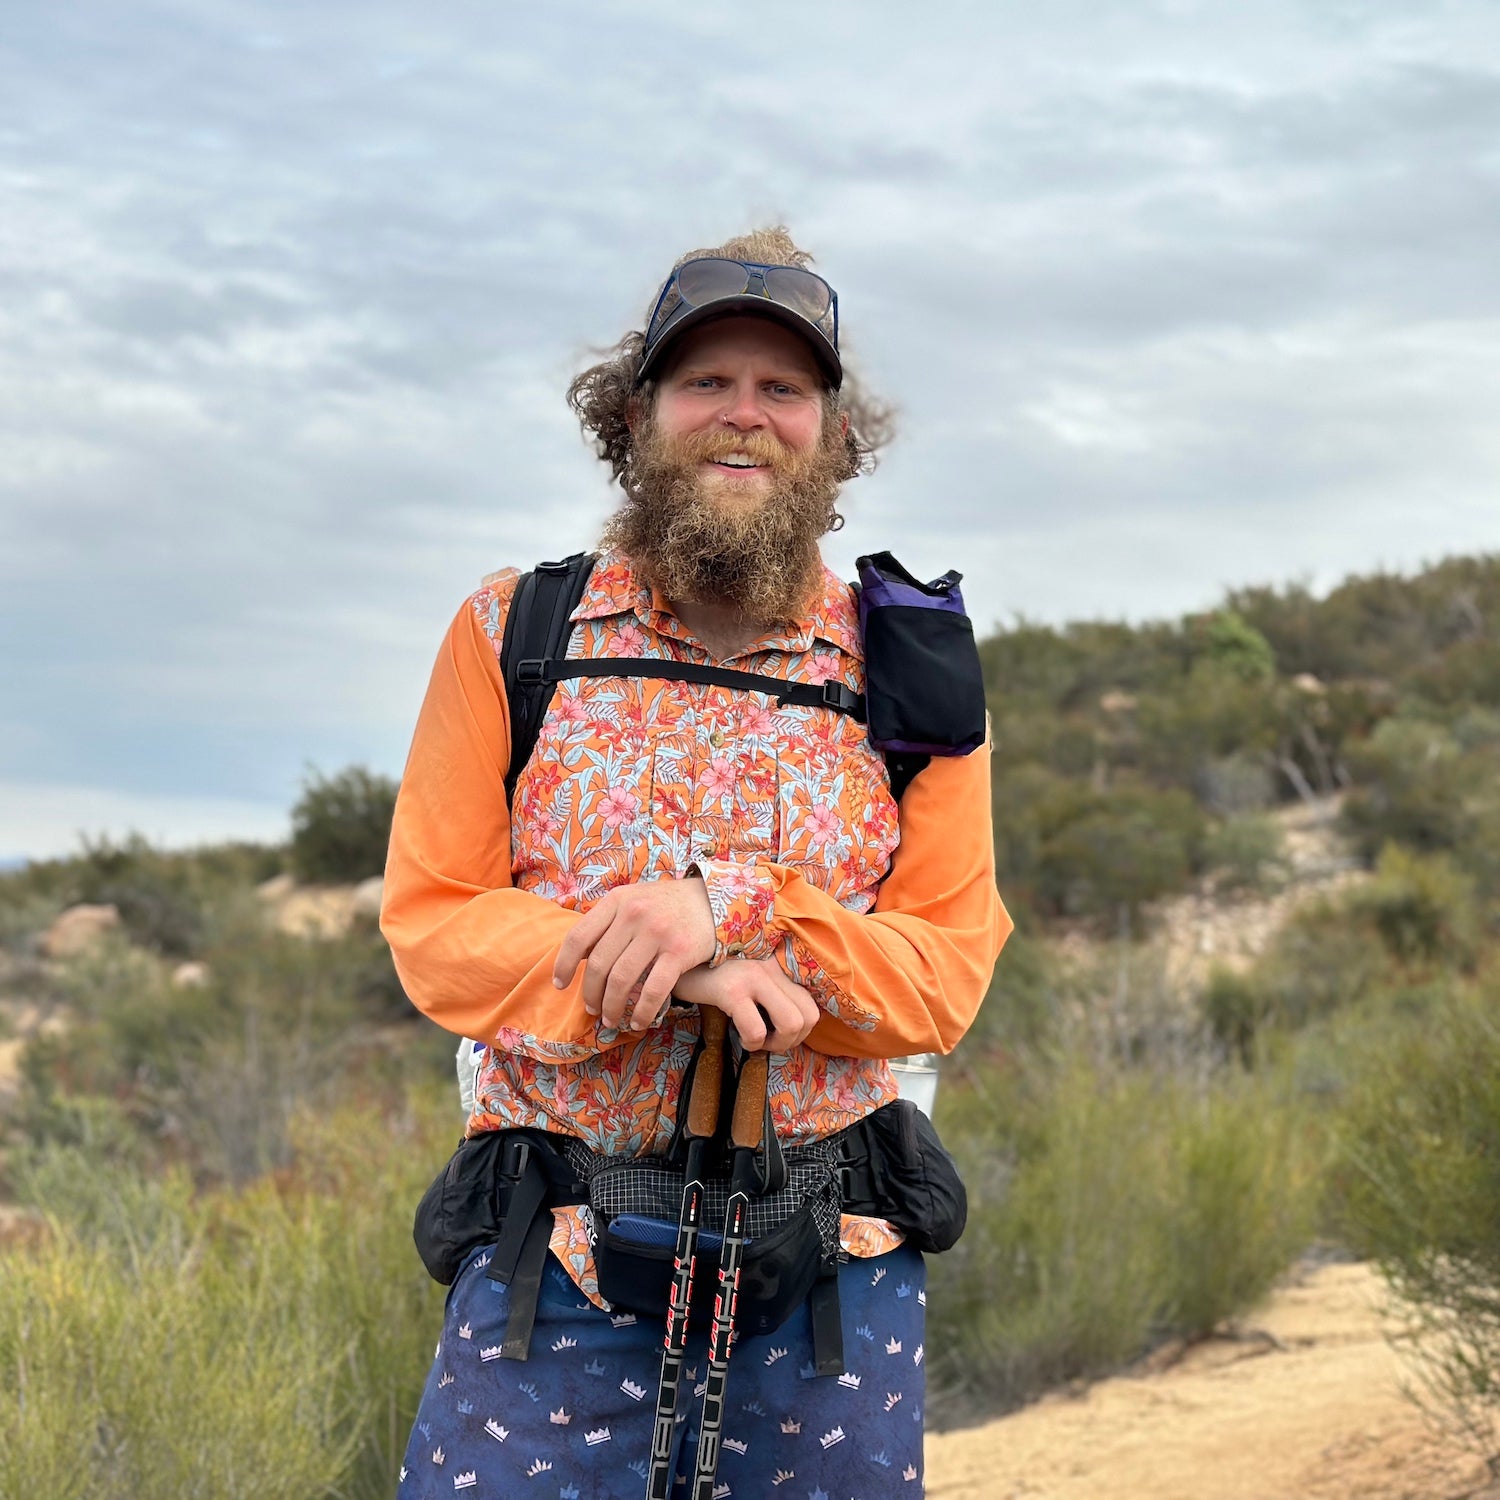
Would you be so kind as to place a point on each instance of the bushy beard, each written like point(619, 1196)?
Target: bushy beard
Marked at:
point(699, 542)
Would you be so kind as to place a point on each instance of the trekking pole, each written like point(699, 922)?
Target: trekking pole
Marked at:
point(747, 1137)
point(701, 1118)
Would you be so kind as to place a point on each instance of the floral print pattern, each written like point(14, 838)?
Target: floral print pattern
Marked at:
point(636, 779)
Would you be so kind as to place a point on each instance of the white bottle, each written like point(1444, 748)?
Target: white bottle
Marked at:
point(470, 1055)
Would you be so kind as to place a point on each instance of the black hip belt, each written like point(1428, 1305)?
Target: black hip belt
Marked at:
point(500, 1186)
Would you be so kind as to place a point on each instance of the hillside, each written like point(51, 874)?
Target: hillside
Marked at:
point(1248, 1010)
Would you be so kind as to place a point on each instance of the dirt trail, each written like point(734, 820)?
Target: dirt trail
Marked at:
point(1305, 1406)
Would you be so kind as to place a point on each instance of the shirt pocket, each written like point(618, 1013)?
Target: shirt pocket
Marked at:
point(716, 798)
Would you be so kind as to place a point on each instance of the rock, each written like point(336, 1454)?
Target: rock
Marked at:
point(277, 888)
point(1313, 686)
point(316, 911)
point(1117, 702)
point(78, 929)
point(367, 897)
point(191, 975)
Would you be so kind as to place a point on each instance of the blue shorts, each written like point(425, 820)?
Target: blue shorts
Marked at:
point(573, 1422)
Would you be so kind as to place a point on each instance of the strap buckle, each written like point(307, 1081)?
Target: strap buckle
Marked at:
point(531, 672)
point(839, 696)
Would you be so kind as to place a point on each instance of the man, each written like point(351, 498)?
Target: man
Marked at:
point(677, 847)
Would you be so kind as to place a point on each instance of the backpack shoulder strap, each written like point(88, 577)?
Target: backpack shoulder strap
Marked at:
point(537, 628)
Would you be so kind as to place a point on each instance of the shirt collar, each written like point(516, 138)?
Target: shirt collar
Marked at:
point(614, 588)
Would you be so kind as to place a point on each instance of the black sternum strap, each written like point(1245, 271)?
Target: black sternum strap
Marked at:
point(833, 694)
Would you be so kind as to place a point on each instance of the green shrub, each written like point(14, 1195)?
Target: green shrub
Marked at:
point(1246, 853)
point(1237, 647)
point(1236, 1009)
point(270, 1342)
point(215, 1073)
point(341, 825)
point(163, 896)
point(1412, 782)
point(1109, 1208)
point(1423, 908)
point(1420, 1192)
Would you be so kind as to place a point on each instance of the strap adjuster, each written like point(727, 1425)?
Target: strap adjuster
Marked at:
point(839, 696)
point(516, 1159)
point(531, 672)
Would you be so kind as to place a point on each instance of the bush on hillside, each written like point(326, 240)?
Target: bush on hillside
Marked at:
point(267, 1342)
point(1065, 848)
point(1246, 853)
point(1110, 1208)
point(162, 895)
point(341, 825)
point(1212, 713)
point(213, 1074)
point(1423, 907)
point(1238, 648)
point(1412, 782)
point(1420, 1192)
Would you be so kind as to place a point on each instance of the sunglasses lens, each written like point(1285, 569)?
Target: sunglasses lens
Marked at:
point(703, 281)
point(800, 290)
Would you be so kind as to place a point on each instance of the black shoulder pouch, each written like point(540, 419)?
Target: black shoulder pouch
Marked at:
point(924, 690)
point(897, 1169)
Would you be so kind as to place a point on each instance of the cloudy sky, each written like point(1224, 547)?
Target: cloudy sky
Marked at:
point(1172, 296)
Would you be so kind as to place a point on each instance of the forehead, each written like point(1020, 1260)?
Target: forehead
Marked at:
point(745, 340)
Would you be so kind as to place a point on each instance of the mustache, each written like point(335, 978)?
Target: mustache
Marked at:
point(710, 447)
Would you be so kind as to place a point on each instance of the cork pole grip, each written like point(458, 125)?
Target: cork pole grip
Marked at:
point(748, 1127)
point(708, 1077)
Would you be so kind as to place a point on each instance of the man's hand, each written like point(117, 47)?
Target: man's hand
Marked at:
point(638, 937)
point(752, 991)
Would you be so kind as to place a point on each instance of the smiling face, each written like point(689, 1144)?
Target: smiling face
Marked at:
point(747, 395)
point(734, 471)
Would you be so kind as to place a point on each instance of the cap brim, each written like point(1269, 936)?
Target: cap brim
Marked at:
point(757, 307)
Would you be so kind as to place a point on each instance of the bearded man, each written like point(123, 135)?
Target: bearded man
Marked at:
point(674, 848)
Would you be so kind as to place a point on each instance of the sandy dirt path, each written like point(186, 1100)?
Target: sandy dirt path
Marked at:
point(1305, 1406)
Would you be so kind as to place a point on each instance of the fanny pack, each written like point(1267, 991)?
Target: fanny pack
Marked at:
point(499, 1188)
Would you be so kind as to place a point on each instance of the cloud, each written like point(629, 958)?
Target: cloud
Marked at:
point(1172, 296)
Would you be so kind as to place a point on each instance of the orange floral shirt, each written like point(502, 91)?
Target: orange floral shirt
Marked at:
point(890, 918)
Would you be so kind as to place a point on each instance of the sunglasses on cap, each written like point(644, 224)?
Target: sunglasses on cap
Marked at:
point(715, 287)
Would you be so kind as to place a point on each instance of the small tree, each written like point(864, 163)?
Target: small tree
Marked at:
point(341, 825)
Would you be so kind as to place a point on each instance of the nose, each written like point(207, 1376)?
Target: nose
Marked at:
point(742, 408)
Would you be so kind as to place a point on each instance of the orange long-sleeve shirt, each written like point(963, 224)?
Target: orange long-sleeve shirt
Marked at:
point(892, 921)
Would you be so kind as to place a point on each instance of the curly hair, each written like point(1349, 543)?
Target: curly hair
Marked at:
point(601, 396)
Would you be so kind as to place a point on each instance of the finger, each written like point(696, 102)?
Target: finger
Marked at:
point(656, 991)
point(748, 1022)
point(586, 931)
point(600, 963)
point(625, 973)
point(784, 1029)
point(795, 1011)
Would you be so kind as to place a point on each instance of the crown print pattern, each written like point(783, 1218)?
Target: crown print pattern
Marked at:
point(571, 1421)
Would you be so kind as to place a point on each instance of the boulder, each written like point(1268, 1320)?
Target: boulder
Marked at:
point(277, 888)
point(78, 929)
point(190, 976)
point(367, 897)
